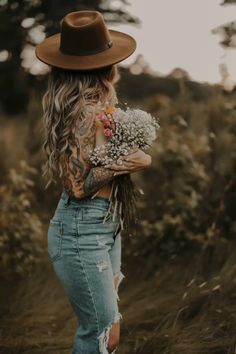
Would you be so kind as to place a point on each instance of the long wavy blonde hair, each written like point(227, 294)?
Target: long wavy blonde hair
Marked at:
point(72, 96)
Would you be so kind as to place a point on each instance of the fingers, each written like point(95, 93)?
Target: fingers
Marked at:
point(127, 158)
point(131, 156)
point(120, 173)
point(121, 165)
point(134, 149)
point(117, 167)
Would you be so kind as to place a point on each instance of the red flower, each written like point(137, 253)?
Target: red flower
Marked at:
point(106, 123)
point(108, 132)
point(101, 116)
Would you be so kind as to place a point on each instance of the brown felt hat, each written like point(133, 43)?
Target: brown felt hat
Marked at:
point(85, 43)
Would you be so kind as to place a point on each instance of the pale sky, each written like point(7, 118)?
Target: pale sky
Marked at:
point(177, 33)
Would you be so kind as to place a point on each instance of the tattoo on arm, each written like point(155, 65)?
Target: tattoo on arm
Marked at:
point(97, 178)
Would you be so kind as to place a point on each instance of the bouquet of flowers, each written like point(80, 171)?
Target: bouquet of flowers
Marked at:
point(124, 130)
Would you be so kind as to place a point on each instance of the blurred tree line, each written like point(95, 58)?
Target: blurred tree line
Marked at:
point(25, 23)
point(227, 31)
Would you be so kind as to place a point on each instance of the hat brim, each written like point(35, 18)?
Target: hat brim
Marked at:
point(48, 52)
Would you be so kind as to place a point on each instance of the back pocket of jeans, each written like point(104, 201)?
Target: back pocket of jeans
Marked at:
point(55, 233)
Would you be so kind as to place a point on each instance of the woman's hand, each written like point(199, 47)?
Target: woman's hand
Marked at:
point(135, 161)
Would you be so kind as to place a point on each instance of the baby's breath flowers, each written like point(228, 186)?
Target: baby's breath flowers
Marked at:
point(124, 129)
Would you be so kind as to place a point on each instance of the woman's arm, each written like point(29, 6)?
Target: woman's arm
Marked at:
point(81, 179)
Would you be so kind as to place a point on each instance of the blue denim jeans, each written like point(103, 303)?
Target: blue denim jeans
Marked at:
point(86, 255)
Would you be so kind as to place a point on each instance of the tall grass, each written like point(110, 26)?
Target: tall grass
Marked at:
point(179, 294)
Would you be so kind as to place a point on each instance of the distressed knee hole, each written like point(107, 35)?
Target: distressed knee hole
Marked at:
point(103, 338)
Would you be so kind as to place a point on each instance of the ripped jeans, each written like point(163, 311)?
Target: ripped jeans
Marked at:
point(86, 255)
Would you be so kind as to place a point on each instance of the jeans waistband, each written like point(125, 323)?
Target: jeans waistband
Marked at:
point(89, 201)
point(99, 201)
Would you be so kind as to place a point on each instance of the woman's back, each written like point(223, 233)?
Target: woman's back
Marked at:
point(70, 105)
point(76, 160)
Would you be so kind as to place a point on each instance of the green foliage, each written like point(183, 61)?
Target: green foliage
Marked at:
point(228, 2)
point(189, 199)
point(188, 304)
point(187, 307)
point(21, 228)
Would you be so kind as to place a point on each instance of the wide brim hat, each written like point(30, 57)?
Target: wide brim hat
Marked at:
point(85, 43)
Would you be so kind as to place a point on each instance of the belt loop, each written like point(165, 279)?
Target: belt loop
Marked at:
point(67, 200)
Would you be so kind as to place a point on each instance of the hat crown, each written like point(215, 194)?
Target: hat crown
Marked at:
point(84, 33)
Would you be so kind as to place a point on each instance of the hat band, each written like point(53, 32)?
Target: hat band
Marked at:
point(84, 53)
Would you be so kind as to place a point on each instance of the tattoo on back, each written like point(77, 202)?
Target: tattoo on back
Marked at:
point(80, 178)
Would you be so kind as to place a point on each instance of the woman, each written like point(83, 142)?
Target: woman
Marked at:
point(85, 250)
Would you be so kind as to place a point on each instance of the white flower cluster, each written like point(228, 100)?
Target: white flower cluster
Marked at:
point(133, 127)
